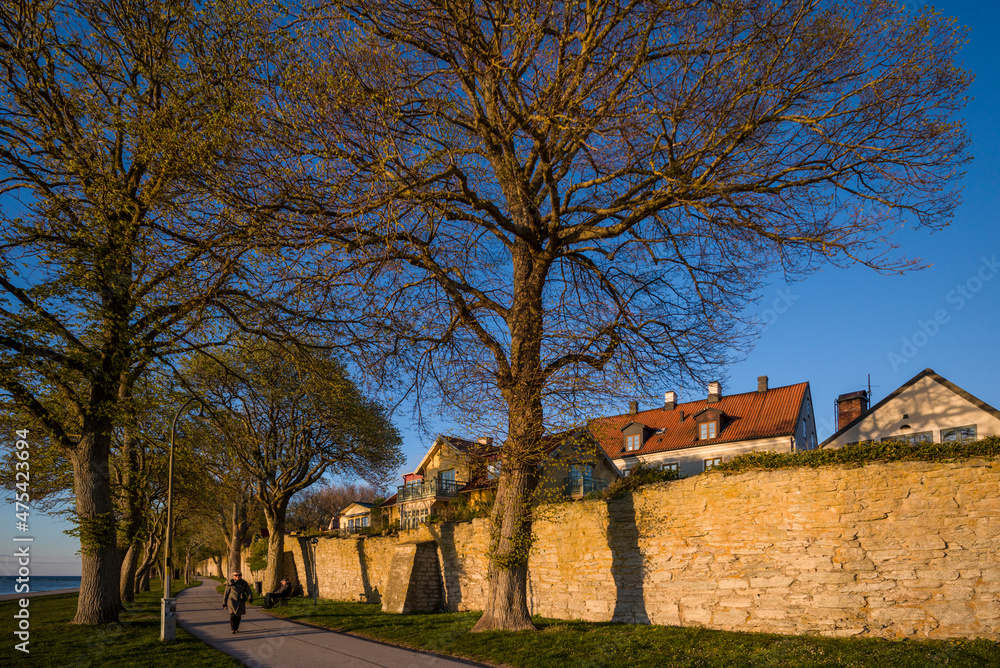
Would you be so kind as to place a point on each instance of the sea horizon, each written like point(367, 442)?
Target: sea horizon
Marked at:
point(37, 583)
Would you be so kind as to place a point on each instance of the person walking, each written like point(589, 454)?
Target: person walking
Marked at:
point(237, 594)
point(283, 591)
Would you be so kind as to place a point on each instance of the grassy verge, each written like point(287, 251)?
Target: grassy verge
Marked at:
point(590, 645)
point(133, 642)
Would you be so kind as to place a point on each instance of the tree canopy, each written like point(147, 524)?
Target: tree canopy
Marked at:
point(550, 203)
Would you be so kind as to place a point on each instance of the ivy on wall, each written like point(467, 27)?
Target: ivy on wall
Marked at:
point(863, 453)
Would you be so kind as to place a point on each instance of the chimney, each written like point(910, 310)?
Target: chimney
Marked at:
point(670, 401)
point(484, 440)
point(633, 407)
point(762, 383)
point(714, 392)
point(850, 407)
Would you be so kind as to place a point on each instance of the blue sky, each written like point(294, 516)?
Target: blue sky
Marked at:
point(839, 325)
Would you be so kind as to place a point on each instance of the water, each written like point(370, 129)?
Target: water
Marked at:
point(38, 583)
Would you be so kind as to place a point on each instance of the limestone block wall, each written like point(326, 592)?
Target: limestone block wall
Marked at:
point(907, 549)
point(346, 568)
point(415, 575)
point(890, 550)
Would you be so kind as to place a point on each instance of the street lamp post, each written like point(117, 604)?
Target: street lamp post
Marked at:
point(315, 586)
point(168, 605)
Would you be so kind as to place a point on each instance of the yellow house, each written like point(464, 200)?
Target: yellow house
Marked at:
point(356, 515)
point(455, 468)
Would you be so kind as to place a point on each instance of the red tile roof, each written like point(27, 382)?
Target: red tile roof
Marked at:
point(749, 416)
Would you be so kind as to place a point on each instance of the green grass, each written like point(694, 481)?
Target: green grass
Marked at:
point(133, 642)
point(590, 645)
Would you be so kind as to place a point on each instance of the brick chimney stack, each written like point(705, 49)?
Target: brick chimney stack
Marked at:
point(714, 392)
point(633, 407)
point(850, 407)
point(670, 400)
point(762, 383)
point(485, 440)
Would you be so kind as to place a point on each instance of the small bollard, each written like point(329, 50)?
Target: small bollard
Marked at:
point(168, 619)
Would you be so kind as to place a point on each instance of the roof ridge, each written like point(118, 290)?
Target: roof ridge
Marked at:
point(696, 401)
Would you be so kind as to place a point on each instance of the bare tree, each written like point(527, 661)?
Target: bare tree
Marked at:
point(314, 508)
point(549, 204)
point(289, 417)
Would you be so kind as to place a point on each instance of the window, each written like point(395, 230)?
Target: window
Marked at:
point(446, 481)
point(912, 439)
point(708, 430)
point(493, 470)
point(712, 463)
point(958, 434)
point(413, 518)
point(633, 442)
point(670, 466)
point(581, 470)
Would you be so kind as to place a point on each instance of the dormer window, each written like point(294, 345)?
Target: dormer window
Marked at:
point(708, 430)
point(633, 442)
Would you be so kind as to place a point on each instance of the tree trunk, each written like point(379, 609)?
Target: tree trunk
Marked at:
point(521, 387)
point(510, 542)
point(148, 558)
point(275, 517)
point(187, 565)
point(132, 518)
point(126, 587)
point(239, 526)
point(99, 600)
point(218, 564)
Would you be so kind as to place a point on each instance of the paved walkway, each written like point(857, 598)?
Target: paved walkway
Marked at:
point(271, 642)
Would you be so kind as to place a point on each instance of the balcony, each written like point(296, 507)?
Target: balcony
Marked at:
point(583, 484)
point(433, 488)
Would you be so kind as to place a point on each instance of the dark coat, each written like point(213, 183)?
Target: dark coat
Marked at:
point(238, 592)
point(283, 591)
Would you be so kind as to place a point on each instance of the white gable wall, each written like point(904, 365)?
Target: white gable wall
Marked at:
point(930, 406)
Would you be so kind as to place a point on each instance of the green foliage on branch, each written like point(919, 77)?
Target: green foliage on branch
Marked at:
point(863, 453)
point(258, 556)
point(640, 476)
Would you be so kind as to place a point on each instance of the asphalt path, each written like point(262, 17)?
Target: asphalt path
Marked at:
point(272, 642)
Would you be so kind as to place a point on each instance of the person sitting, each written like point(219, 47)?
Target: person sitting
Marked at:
point(283, 591)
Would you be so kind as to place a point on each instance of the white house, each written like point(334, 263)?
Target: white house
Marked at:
point(926, 408)
point(695, 436)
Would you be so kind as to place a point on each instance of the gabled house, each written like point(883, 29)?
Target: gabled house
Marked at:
point(454, 468)
point(925, 409)
point(354, 516)
point(574, 465)
point(447, 467)
point(693, 437)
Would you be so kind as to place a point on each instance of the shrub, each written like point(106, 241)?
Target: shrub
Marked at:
point(258, 556)
point(461, 510)
point(640, 476)
point(862, 453)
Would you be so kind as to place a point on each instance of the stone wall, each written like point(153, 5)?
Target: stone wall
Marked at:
point(891, 550)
